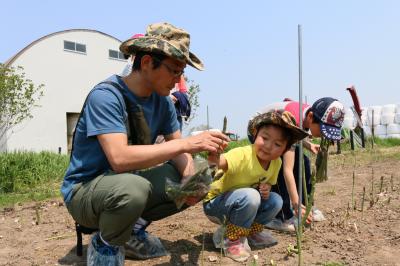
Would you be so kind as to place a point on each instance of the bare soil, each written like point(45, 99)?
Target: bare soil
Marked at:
point(44, 234)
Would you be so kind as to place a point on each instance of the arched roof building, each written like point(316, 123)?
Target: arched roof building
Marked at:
point(69, 63)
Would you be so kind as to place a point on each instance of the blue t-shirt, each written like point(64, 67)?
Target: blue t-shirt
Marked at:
point(105, 113)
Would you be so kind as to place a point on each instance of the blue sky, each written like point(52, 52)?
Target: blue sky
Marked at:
point(249, 48)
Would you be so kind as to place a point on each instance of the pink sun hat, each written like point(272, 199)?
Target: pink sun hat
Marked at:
point(137, 35)
point(134, 36)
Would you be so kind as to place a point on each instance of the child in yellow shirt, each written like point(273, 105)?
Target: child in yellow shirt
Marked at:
point(241, 198)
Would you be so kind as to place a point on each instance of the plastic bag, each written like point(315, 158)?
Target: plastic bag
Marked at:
point(196, 185)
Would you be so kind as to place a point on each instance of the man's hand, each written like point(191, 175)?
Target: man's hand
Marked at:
point(264, 189)
point(211, 141)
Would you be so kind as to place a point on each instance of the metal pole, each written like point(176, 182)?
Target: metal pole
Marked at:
point(300, 172)
point(300, 177)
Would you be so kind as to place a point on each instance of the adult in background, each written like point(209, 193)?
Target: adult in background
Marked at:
point(109, 183)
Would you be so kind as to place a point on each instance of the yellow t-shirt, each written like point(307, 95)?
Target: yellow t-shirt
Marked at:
point(244, 170)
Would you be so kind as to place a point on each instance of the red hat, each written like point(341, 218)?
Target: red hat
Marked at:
point(137, 35)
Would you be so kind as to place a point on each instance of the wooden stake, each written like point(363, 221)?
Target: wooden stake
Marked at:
point(37, 206)
point(202, 249)
point(371, 201)
point(362, 203)
point(391, 182)
point(352, 192)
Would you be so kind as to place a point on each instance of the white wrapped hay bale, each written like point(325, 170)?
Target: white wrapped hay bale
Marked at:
point(374, 121)
point(387, 118)
point(348, 113)
point(393, 136)
point(374, 115)
point(387, 114)
point(364, 115)
point(388, 109)
point(398, 108)
point(367, 131)
point(349, 123)
point(380, 131)
point(393, 129)
point(397, 114)
point(381, 136)
point(397, 118)
point(376, 110)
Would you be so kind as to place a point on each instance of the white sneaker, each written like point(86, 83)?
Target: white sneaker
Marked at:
point(317, 215)
point(286, 226)
point(262, 239)
point(238, 250)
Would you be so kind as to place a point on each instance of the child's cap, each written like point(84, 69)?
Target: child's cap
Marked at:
point(284, 119)
point(330, 113)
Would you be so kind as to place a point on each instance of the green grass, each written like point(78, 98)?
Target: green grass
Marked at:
point(30, 176)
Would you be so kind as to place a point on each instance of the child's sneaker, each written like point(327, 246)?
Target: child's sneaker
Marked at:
point(262, 239)
point(318, 216)
point(238, 250)
point(218, 237)
point(100, 253)
point(286, 226)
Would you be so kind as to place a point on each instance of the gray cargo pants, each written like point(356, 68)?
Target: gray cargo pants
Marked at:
point(113, 202)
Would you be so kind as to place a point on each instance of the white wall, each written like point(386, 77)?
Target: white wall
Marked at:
point(67, 77)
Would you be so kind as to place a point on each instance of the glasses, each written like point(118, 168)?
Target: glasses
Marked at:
point(174, 72)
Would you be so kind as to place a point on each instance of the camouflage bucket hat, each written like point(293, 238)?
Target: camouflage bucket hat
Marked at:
point(166, 39)
point(284, 119)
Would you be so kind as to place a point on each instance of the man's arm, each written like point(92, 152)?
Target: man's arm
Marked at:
point(184, 161)
point(123, 157)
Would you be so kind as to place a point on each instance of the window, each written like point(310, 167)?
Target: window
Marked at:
point(81, 48)
point(75, 47)
point(69, 45)
point(116, 55)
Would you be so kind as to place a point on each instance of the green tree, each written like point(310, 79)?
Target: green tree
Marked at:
point(193, 93)
point(18, 95)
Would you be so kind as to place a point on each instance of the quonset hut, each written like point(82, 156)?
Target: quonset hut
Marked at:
point(69, 63)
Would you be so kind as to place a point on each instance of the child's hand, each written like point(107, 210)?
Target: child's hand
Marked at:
point(213, 158)
point(264, 189)
point(192, 200)
point(303, 212)
point(314, 148)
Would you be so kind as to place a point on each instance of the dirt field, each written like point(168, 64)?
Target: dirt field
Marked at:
point(350, 237)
